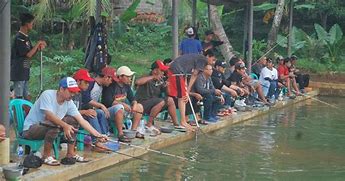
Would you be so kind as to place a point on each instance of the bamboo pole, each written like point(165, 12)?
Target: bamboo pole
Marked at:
point(250, 37)
point(175, 28)
point(290, 29)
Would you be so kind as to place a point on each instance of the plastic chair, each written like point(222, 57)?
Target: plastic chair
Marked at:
point(17, 112)
point(254, 76)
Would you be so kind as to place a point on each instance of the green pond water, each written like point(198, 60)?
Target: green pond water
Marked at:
point(305, 141)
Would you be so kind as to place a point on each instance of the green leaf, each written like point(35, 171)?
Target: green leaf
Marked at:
point(282, 41)
point(321, 33)
point(264, 7)
point(335, 34)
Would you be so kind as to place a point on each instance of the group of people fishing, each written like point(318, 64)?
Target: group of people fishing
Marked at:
point(194, 80)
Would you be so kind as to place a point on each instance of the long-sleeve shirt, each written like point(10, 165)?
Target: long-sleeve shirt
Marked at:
point(204, 85)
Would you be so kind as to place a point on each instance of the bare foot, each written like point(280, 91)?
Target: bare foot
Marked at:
point(188, 127)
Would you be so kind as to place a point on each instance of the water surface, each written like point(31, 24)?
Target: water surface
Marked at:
point(303, 142)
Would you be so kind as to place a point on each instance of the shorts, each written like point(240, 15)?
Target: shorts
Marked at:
point(113, 110)
point(150, 103)
point(21, 88)
point(177, 85)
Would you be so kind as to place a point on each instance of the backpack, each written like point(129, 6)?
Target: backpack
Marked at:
point(32, 161)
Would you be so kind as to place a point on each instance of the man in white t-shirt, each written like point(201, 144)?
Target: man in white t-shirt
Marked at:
point(269, 79)
point(53, 110)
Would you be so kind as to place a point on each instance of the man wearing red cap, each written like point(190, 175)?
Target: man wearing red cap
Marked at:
point(149, 95)
point(56, 108)
point(96, 117)
point(92, 96)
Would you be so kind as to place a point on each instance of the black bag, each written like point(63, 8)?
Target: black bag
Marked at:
point(32, 161)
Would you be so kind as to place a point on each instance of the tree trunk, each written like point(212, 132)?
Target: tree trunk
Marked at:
point(250, 37)
point(226, 48)
point(324, 18)
point(272, 35)
point(290, 29)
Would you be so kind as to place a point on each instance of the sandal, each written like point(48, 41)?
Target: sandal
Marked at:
point(153, 131)
point(51, 161)
point(68, 161)
point(139, 135)
point(179, 127)
point(192, 123)
point(124, 139)
point(203, 122)
point(80, 159)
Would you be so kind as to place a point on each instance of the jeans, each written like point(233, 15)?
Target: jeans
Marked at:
point(211, 105)
point(273, 89)
point(99, 123)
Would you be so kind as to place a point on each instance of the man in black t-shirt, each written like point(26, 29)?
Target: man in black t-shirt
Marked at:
point(211, 42)
point(120, 93)
point(21, 53)
point(149, 93)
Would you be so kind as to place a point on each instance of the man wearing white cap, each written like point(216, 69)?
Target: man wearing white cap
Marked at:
point(120, 93)
point(56, 108)
point(190, 45)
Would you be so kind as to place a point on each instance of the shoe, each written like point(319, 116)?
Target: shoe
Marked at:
point(152, 131)
point(211, 120)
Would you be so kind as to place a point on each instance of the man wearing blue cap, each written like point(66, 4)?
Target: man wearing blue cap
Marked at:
point(53, 110)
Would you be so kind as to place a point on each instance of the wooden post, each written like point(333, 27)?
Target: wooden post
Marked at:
point(194, 13)
point(290, 29)
point(5, 57)
point(175, 28)
point(250, 37)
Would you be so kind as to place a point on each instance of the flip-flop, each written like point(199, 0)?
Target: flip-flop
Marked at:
point(100, 150)
point(51, 161)
point(80, 159)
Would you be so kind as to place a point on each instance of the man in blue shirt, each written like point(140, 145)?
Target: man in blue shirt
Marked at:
point(190, 44)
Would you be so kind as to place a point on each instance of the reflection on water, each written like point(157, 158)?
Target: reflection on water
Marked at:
point(302, 142)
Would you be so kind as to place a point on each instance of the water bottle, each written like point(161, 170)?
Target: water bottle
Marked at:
point(273, 99)
point(20, 154)
point(141, 128)
point(128, 123)
point(280, 97)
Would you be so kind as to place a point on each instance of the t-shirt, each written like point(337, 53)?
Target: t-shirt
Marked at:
point(265, 72)
point(78, 101)
point(190, 45)
point(184, 64)
point(117, 92)
point(86, 96)
point(236, 77)
point(48, 102)
point(219, 80)
point(20, 64)
point(151, 89)
point(96, 92)
point(283, 70)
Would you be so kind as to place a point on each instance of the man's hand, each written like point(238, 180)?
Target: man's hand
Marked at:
point(198, 96)
point(68, 131)
point(102, 138)
point(222, 100)
point(90, 113)
point(106, 111)
point(218, 92)
point(41, 44)
point(185, 99)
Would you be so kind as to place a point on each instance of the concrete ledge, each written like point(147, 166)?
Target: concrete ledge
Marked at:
point(101, 160)
point(329, 89)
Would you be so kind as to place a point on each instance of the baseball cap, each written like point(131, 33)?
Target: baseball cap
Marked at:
point(110, 72)
point(124, 70)
point(159, 64)
point(83, 74)
point(220, 63)
point(190, 31)
point(240, 65)
point(69, 83)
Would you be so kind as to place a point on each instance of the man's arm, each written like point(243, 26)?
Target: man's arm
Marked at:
point(67, 129)
point(192, 80)
point(39, 46)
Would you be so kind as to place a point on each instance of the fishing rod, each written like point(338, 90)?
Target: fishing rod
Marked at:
point(277, 43)
point(311, 97)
